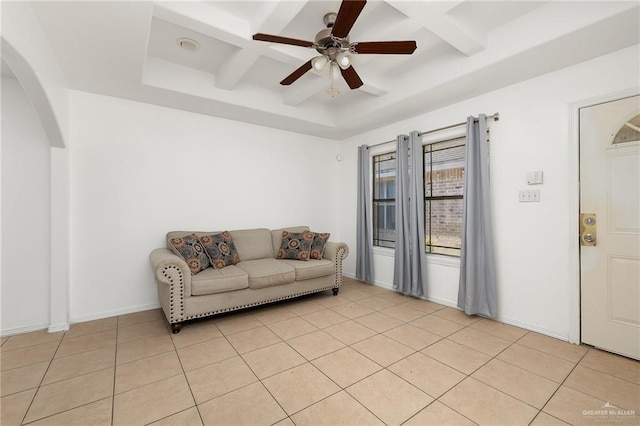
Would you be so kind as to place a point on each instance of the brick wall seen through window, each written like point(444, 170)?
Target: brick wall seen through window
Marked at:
point(443, 181)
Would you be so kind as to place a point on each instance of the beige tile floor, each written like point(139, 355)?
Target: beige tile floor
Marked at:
point(366, 356)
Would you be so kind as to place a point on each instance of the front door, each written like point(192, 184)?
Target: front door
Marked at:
point(610, 226)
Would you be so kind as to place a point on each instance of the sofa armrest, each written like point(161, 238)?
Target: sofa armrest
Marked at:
point(174, 282)
point(336, 252)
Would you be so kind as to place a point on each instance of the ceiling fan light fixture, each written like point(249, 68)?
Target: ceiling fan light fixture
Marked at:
point(319, 62)
point(343, 60)
point(334, 72)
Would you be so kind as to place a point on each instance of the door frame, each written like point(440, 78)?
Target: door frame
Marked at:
point(574, 201)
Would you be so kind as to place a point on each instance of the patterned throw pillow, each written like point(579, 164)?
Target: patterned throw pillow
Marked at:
point(317, 246)
point(220, 249)
point(295, 245)
point(192, 251)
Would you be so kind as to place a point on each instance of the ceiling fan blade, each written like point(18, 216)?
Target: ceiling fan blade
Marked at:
point(347, 15)
point(283, 40)
point(385, 47)
point(351, 77)
point(296, 74)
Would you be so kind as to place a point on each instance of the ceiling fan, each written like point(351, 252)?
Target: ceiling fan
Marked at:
point(334, 45)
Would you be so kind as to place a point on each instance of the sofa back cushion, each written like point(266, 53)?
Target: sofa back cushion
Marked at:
point(276, 235)
point(253, 244)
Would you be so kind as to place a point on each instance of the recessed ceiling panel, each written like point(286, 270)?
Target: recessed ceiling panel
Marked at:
point(163, 44)
point(248, 10)
point(268, 73)
point(308, 22)
point(379, 21)
point(489, 15)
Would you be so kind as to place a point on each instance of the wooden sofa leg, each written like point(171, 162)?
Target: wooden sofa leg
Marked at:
point(176, 327)
point(335, 291)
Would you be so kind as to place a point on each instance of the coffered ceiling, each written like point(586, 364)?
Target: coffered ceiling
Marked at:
point(465, 48)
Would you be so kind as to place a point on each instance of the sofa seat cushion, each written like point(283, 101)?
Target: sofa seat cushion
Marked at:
point(267, 272)
point(212, 281)
point(305, 270)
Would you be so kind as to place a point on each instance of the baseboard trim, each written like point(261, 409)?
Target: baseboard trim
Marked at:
point(58, 327)
point(444, 302)
point(537, 329)
point(506, 320)
point(375, 282)
point(114, 313)
point(24, 329)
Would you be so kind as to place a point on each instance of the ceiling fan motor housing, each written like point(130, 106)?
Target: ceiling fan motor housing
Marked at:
point(325, 43)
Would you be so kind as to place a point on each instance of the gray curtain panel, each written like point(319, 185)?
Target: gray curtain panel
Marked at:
point(477, 290)
point(409, 261)
point(364, 253)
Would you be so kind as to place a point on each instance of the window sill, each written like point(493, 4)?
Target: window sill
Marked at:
point(435, 259)
point(384, 251)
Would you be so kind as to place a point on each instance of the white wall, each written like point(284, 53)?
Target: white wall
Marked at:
point(139, 171)
point(25, 214)
point(536, 243)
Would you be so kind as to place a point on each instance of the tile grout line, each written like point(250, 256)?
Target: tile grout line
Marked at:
point(420, 351)
point(41, 380)
point(382, 368)
point(558, 388)
point(115, 374)
point(184, 373)
point(491, 386)
point(467, 376)
point(310, 362)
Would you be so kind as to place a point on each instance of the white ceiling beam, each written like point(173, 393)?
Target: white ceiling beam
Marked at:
point(234, 68)
point(442, 7)
point(429, 56)
point(205, 19)
point(464, 38)
point(282, 13)
point(232, 71)
point(375, 89)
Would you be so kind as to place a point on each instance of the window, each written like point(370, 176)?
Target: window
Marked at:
point(384, 200)
point(443, 187)
point(629, 131)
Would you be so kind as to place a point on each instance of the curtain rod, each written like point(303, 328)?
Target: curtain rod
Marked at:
point(494, 117)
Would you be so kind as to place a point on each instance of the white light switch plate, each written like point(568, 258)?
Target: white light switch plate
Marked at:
point(534, 177)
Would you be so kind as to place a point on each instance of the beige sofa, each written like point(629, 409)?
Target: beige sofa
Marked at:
point(257, 279)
